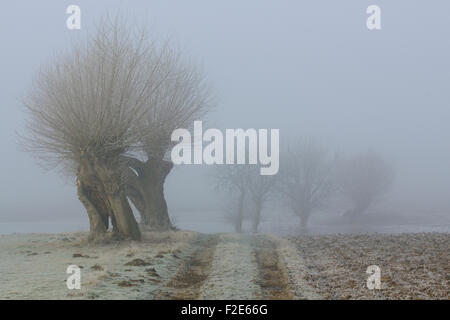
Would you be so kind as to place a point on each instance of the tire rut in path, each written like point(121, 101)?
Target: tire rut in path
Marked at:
point(193, 272)
point(273, 276)
point(234, 272)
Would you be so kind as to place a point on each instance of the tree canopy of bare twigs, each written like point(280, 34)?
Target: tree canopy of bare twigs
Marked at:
point(306, 178)
point(363, 179)
point(85, 111)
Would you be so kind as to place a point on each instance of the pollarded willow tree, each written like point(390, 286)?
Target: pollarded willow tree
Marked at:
point(261, 189)
point(181, 98)
point(363, 179)
point(234, 179)
point(306, 178)
point(247, 188)
point(85, 111)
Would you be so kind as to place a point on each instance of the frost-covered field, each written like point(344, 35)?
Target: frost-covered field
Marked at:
point(33, 266)
point(191, 265)
point(413, 266)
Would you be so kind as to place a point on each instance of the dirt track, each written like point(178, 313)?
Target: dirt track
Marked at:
point(233, 266)
point(193, 272)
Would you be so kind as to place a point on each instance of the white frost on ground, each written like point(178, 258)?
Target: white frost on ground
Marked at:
point(296, 269)
point(414, 266)
point(234, 270)
point(33, 266)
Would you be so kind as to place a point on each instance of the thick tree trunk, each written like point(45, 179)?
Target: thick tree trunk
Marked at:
point(146, 191)
point(92, 196)
point(156, 215)
point(111, 178)
point(100, 191)
point(97, 221)
point(135, 194)
point(126, 223)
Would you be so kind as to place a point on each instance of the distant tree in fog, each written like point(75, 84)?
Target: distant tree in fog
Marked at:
point(261, 189)
point(363, 179)
point(248, 191)
point(233, 210)
point(306, 178)
point(234, 180)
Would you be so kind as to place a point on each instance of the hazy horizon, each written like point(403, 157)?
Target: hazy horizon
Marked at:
point(308, 69)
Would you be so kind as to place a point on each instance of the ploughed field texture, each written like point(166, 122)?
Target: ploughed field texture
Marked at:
point(190, 265)
point(413, 266)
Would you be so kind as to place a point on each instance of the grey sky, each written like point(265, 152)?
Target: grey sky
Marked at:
point(306, 67)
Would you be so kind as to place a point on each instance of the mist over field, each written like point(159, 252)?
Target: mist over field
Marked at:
point(200, 149)
point(309, 69)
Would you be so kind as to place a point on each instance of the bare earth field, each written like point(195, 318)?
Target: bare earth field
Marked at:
point(413, 266)
point(190, 265)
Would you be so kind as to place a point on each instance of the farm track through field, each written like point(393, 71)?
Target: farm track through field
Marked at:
point(193, 272)
point(273, 277)
point(237, 266)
